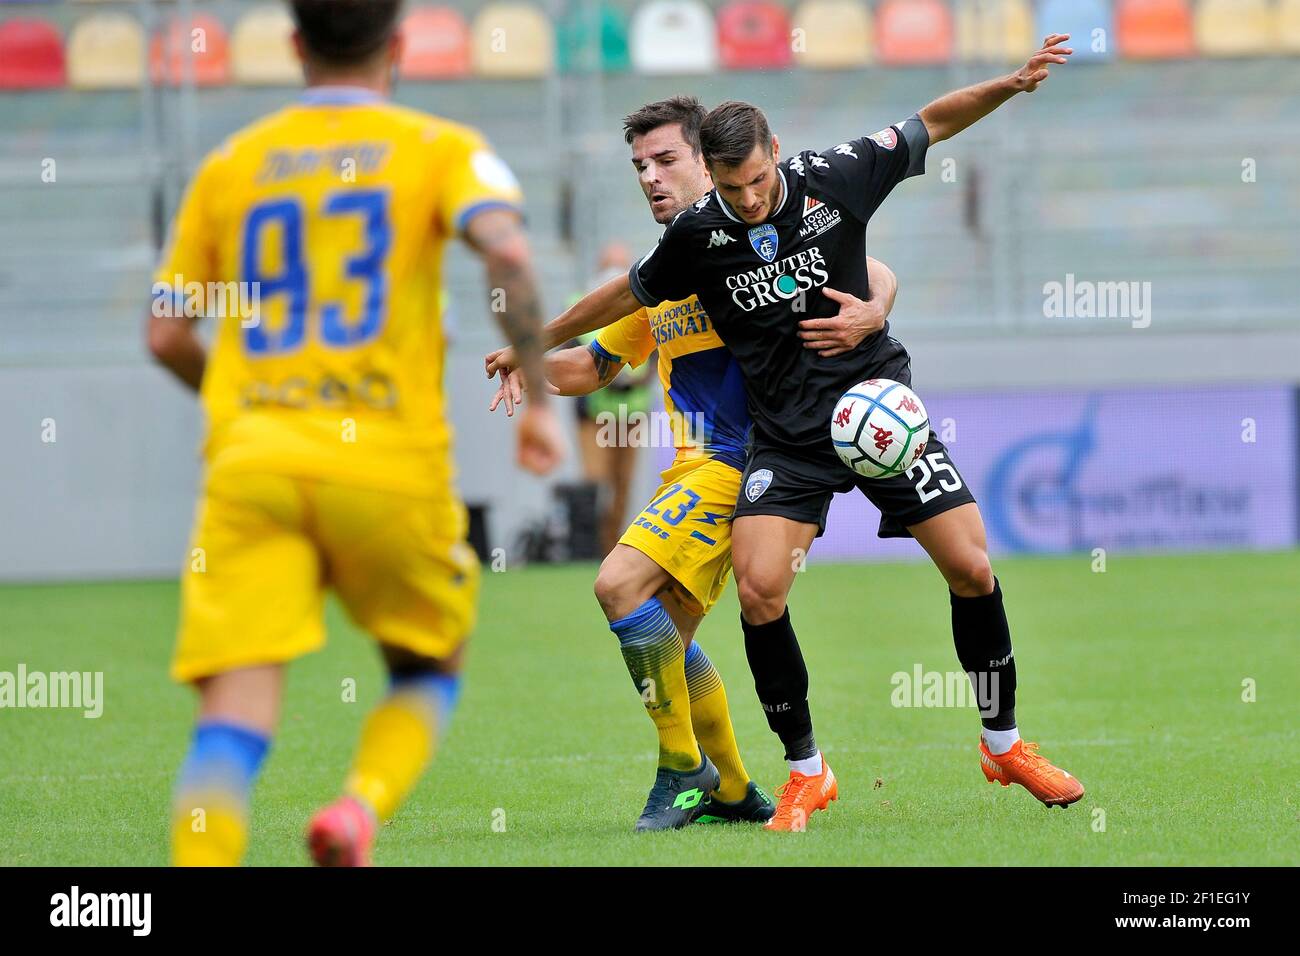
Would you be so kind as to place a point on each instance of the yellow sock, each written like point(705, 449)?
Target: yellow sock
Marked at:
point(654, 656)
point(208, 829)
point(210, 808)
point(397, 743)
point(712, 722)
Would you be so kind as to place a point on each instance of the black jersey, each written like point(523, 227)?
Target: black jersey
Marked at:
point(758, 283)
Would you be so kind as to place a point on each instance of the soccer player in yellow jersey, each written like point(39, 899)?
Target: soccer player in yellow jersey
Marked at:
point(671, 565)
point(328, 460)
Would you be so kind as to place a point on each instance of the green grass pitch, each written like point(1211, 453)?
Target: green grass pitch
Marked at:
point(1131, 679)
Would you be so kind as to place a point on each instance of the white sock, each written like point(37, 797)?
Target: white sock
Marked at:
point(809, 766)
point(1000, 741)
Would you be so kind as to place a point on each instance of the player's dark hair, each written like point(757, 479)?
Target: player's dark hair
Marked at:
point(730, 132)
point(345, 32)
point(685, 111)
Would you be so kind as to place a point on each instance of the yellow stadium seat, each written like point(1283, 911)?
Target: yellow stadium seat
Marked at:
point(261, 49)
point(512, 40)
point(1288, 26)
point(999, 31)
point(836, 34)
point(106, 51)
point(1236, 28)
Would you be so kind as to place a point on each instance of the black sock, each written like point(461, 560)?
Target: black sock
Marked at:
point(983, 639)
point(781, 680)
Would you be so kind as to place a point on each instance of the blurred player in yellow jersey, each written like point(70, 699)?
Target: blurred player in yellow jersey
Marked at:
point(671, 565)
point(328, 459)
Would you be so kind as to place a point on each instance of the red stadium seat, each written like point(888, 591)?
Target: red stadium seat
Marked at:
point(435, 44)
point(913, 32)
point(1154, 29)
point(31, 55)
point(753, 35)
point(205, 38)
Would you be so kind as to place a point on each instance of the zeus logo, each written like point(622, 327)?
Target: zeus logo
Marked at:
point(712, 518)
point(778, 281)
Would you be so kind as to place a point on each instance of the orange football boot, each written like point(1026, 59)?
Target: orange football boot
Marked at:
point(1024, 765)
point(341, 834)
point(801, 796)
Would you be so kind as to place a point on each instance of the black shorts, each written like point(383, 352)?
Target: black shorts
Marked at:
point(799, 485)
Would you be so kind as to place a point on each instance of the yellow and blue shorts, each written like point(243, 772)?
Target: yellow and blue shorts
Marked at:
point(265, 548)
point(686, 530)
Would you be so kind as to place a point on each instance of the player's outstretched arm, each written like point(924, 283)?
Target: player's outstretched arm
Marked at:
point(577, 371)
point(497, 235)
point(174, 342)
point(602, 306)
point(949, 115)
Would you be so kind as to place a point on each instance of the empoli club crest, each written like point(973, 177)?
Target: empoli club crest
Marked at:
point(763, 239)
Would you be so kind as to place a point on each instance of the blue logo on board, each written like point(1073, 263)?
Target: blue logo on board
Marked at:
point(763, 239)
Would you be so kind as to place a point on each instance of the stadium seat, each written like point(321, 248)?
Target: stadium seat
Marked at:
point(1081, 19)
point(512, 41)
point(31, 55)
point(913, 32)
point(435, 44)
point(106, 51)
point(836, 34)
point(203, 40)
point(1001, 31)
point(579, 33)
point(753, 35)
point(1288, 26)
point(674, 36)
point(261, 49)
point(1236, 28)
point(1154, 29)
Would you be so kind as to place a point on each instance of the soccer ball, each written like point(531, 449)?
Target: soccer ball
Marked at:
point(879, 428)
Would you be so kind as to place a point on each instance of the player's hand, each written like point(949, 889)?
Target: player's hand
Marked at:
point(511, 391)
point(844, 331)
point(504, 358)
point(539, 440)
point(1035, 71)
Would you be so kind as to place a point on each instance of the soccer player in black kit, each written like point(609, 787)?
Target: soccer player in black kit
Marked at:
point(757, 251)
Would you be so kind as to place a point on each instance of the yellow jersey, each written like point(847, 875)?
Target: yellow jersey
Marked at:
point(704, 393)
point(316, 235)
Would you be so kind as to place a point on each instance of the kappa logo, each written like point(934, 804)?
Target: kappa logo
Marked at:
point(719, 238)
point(764, 240)
point(758, 483)
point(846, 149)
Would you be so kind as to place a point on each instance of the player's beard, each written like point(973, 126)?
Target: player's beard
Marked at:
point(681, 200)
